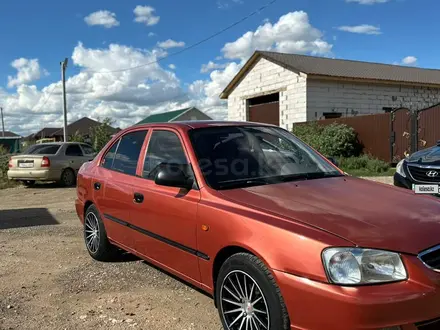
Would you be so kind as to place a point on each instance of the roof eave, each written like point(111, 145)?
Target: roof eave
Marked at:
point(227, 91)
point(383, 81)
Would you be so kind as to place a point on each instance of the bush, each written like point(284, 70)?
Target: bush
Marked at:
point(334, 140)
point(4, 161)
point(364, 162)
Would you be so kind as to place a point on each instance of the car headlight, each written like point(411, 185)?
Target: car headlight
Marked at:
point(399, 168)
point(356, 266)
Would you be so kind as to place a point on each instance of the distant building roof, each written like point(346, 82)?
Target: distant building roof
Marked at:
point(43, 133)
point(9, 134)
point(164, 117)
point(81, 126)
point(335, 68)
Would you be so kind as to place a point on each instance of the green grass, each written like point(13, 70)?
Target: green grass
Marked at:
point(366, 172)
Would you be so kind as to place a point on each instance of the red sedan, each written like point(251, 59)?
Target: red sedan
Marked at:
point(277, 234)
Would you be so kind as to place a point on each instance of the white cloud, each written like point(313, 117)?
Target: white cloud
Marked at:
point(212, 66)
point(293, 33)
point(152, 34)
point(170, 44)
point(368, 2)
point(409, 60)
point(102, 17)
point(145, 14)
point(172, 66)
point(361, 29)
point(125, 96)
point(225, 4)
point(27, 71)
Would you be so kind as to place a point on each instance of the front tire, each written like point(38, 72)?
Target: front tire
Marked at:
point(95, 236)
point(248, 297)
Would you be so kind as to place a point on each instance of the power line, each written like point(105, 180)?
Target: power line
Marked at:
point(46, 100)
point(191, 46)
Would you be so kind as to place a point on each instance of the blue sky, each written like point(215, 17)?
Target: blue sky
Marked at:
point(47, 31)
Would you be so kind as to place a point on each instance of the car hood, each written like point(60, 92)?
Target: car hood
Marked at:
point(429, 156)
point(365, 213)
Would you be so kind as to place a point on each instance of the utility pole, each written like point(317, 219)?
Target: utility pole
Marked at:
point(3, 123)
point(63, 77)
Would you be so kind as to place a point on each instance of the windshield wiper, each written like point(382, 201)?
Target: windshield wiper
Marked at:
point(241, 183)
point(309, 176)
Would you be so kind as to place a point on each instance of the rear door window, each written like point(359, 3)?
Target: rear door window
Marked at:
point(74, 150)
point(127, 154)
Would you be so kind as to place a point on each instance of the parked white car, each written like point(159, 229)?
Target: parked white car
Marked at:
point(50, 162)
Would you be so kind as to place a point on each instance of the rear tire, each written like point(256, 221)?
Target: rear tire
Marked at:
point(247, 294)
point(68, 178)
point(95, 236)
point(28, 183)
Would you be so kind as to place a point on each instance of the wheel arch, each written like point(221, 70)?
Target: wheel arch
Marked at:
point(87, 204)
point(223, 255)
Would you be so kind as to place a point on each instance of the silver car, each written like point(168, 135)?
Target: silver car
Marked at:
point(50, 162)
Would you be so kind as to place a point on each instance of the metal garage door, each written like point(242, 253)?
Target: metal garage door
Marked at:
point(265, 109)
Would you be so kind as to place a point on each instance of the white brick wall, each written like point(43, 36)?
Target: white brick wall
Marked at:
point(364, 98)
point(265, 78)
point(303, 98)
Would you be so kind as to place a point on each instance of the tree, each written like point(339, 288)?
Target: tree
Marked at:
point(77, 137)
point(101, 134)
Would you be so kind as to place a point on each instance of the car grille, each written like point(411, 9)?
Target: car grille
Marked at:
point(429, 325)
point(431, 257)
point(421, 174)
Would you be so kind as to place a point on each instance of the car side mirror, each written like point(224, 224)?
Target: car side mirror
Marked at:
point(333, 161)
point(173, 176)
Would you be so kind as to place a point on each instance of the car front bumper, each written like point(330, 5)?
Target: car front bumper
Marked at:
point(404, 305)
point(401, 181)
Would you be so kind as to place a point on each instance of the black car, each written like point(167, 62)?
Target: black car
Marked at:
point(421, 168)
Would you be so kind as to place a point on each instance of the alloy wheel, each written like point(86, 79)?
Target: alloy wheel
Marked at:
point(244, 306)
point(92, 232)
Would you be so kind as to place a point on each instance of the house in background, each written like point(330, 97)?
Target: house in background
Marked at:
point(10, 141)
point(83, 127)
point(283, 89)
point(176, 115)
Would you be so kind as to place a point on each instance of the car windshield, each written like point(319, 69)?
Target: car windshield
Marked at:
point(241, 156)
point(42, 149)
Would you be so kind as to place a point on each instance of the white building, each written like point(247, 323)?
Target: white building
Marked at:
point(283, 89)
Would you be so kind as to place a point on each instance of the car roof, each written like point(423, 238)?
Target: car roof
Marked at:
point(203, 124)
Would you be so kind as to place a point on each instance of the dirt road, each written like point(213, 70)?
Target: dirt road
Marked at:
point(48, 281)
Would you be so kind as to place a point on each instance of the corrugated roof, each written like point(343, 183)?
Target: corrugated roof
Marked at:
point(163, 117)
point(320, 66)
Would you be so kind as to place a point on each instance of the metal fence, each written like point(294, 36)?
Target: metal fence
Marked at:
point(392, 136)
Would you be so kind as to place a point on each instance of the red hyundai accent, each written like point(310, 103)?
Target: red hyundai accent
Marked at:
point(277, 234)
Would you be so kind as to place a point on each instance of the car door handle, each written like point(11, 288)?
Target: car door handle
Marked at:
point(97, 186)
point(138, 198)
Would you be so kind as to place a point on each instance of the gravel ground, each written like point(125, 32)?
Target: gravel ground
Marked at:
point(48, 281)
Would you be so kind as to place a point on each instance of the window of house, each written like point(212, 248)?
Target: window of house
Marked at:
point(74, 150)
point(164, 148)
point(330, 115)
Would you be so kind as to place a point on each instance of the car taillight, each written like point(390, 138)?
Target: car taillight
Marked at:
point(45, 162)
point(10, 163)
